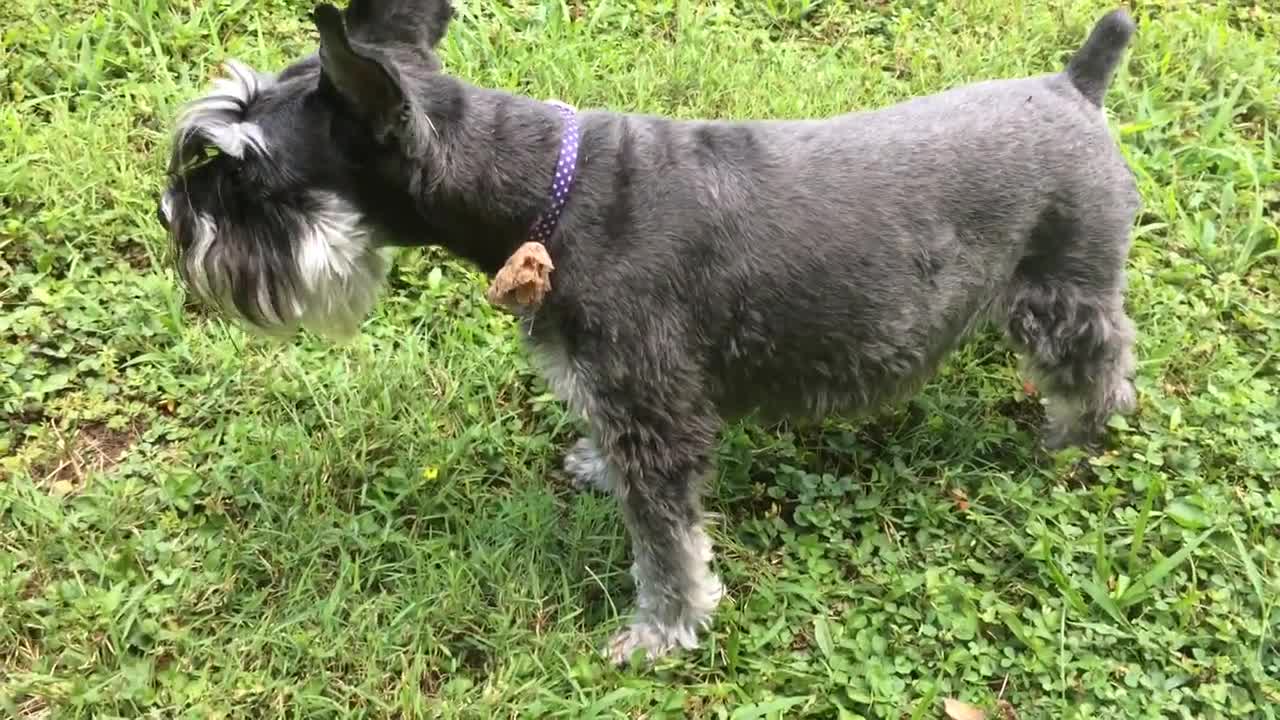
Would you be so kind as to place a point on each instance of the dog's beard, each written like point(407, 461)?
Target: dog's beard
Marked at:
point(341, 269)
point(325, 278)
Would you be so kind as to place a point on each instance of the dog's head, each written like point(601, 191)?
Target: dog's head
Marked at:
point(285, 189)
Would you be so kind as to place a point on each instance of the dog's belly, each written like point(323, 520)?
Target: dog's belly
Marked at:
point(796, 386)
point(844, 344)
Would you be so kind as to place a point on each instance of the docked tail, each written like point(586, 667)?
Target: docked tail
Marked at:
point(1091, 68)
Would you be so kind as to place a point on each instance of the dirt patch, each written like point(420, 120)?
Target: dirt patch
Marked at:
point(27, 699)
point(1026, 413)
point(137, 256)
point(91, 448)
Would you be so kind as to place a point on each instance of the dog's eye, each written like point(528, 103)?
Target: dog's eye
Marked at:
point(205, 156)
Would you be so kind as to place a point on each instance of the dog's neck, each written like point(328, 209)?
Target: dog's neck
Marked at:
point(483, 171)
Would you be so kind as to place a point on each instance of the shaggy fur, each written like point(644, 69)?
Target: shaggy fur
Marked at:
point(704, 270)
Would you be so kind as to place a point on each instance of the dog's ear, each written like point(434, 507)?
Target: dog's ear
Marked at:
point(361, 75)
point(411, 22)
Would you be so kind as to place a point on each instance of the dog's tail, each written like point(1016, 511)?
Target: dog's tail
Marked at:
point(1091, 68)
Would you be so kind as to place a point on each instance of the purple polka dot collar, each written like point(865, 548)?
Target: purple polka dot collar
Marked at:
point(562, 183)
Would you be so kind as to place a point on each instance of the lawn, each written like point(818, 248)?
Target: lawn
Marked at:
point(195, 522)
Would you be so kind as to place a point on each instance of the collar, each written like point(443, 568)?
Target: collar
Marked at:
point(562, 182)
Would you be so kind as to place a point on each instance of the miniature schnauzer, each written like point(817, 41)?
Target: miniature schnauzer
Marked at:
point(705, 271)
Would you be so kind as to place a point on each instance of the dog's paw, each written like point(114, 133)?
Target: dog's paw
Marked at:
point(655, 642)
point(1056, 437)
point(587, 468)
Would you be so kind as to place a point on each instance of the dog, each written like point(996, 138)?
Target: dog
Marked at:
point(705, 271)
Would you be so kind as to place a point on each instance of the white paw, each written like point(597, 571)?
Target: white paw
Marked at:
point(586, 468)
point(653, 640)
point(659, 639)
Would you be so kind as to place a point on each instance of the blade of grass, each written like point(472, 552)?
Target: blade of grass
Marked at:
point(1138, 591)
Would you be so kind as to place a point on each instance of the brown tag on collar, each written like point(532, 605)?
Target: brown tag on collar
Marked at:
point(524, 281)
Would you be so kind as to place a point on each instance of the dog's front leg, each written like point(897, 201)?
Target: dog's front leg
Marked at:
point(659, 469)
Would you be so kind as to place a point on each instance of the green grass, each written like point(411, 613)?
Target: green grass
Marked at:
point(198, 523)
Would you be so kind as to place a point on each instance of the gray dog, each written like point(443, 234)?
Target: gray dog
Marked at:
point(704, 271)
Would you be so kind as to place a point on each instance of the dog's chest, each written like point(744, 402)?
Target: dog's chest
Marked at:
point(562, 372)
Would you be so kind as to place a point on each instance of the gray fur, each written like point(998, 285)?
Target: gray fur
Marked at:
point(709, 270)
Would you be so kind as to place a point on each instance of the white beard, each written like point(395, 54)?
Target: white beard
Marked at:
point(341, 269)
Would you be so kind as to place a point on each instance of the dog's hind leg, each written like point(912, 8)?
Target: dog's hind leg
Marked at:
point(659, 459)
point(1065, 314)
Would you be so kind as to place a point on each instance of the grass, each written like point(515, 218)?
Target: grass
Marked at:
point(198, 523)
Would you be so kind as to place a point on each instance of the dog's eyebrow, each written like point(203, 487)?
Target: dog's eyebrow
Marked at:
point(213, 103)
point(217, 120)
point(246, 78)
